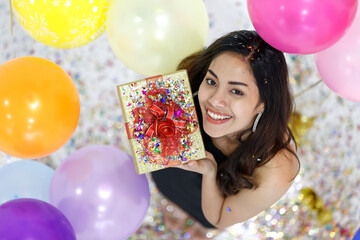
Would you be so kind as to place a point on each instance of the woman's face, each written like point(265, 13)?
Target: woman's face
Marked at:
point(229, 96)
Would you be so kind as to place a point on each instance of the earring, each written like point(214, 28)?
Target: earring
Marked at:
point(195, 94)
point(256, 121)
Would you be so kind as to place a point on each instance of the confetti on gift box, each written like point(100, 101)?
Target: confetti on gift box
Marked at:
point(161, 121)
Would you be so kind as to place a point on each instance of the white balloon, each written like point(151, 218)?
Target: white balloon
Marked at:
point(151, 37)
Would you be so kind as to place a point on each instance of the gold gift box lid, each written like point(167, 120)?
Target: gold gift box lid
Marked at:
point(161, 121)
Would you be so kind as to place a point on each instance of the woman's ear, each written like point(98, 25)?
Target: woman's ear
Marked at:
point(260, 107)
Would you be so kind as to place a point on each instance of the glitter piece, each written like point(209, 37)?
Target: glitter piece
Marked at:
point(187, 235)
point(228, 209)
point(189, 222)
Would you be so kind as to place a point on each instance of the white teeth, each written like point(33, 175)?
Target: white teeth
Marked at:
point(217, 117)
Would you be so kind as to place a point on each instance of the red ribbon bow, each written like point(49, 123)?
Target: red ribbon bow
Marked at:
point(164, 125)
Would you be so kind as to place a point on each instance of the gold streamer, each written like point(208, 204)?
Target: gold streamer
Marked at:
point(11, 17)
point(307, 89)
point(309, 198)
point(299, 125)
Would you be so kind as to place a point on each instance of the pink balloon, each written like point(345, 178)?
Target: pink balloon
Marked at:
point(301, 26)
point(339, 65)
point(100, 193)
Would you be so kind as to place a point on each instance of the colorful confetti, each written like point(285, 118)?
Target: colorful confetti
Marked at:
point(161, 123)
point(329, 150)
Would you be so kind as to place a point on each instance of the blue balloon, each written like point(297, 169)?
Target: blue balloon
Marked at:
point(25, 179)
point(357, 235)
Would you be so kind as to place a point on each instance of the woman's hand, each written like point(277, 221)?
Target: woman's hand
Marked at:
point(203, 166)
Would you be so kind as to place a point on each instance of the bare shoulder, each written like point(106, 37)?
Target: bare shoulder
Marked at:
point(283, 167)
point(274, 179)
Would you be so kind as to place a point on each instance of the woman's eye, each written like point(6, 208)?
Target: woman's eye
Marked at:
point(237, 92)
point(210, 82)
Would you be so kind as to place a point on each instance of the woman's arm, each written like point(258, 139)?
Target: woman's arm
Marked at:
point(274, 179)
point(212, 198)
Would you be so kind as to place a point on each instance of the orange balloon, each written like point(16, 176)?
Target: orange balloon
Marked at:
point(39, 107)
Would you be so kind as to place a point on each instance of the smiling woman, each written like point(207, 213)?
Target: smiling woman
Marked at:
point(229, 98)
point(242, 92)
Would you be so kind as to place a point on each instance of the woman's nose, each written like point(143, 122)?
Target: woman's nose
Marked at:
point(218, 99)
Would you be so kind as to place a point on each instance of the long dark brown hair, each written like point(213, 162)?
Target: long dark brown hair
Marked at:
point(272, 133)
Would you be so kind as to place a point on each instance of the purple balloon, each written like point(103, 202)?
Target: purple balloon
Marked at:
point(99, 191)
point(27, 218)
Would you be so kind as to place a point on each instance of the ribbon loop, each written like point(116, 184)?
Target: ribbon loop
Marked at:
point(170, 113)
point(160, 115)
point(158, 112)
point(179, 124)
point(150, 131)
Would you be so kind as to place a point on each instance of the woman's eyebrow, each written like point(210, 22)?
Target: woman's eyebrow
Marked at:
point(238, 83)
point(231, 82)
point(212, 73)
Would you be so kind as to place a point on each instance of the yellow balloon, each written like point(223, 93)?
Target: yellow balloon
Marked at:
point(151, 37)
point(62, 23)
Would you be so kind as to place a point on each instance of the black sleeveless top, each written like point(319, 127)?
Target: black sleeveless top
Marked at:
point(184, 187)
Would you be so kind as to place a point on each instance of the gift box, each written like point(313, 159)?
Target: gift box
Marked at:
point(161, 122)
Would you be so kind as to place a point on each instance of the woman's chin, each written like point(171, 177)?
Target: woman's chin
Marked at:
point(212, 133)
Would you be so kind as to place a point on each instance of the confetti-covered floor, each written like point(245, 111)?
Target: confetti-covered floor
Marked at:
point(324, 201)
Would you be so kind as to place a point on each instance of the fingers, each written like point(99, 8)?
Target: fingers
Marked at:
point(201, 166)
point(209, 155)
point(186, 165)
point(211, 158)
point(192, 165)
